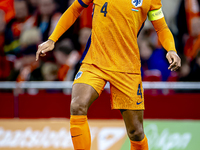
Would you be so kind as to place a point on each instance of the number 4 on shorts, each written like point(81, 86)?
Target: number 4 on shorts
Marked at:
point(139, 92)
point(104, 9)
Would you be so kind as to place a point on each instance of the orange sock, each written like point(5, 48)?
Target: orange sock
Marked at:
point(140, 145)
point(80, 132)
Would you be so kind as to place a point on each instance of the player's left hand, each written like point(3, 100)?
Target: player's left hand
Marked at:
point(174, 60)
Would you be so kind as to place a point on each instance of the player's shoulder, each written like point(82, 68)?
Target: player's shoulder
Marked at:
point(155, 4)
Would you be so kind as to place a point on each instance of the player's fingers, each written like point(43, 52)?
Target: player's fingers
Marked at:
point(175, 68)
point(37, 54)
point(173, 65)
point(169, 58)
point(41, 54)
point(179, 63)
point(40, 47)
point(176, 63)
point(46, 50)
point(41, 50)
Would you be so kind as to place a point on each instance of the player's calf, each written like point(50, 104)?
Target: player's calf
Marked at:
point(82, 97)
point(134, 125)
point(80, 132)
point(137, 139)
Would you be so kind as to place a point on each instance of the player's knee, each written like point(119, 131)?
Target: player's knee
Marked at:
point(136, 134)
point(78, 108)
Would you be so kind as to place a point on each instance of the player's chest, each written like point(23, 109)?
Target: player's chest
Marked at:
point(122, 7)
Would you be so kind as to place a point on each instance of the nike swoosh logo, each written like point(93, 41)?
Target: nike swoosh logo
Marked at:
point(138, 103)
point(76, 135)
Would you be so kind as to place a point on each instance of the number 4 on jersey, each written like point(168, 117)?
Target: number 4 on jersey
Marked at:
point(104, 9)
point(139, 92)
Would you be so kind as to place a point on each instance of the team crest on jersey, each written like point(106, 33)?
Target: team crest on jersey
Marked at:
point(78, 75)
point(137, 3)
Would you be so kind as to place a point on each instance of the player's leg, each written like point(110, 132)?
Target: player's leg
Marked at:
point(82, 97)
point(127, 96)
point(134, 125)
point(88, 85)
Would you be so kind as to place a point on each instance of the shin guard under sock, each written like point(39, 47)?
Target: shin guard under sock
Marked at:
point(140, 145)
point(80, 132)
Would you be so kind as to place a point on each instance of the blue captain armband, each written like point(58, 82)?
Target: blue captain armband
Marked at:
point(82, 3)
point(155, 14)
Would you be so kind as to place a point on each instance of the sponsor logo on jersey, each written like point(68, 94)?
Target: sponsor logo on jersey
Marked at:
point(137, 3)
point(138, 103)
point(78, 75)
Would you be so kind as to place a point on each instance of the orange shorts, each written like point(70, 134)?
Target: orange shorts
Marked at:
point(126, 88)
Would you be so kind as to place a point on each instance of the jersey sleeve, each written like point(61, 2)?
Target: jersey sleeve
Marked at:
point(68, 18)
point(155, 11)
point(155, 4)
point(155, 15)
point(164, 34)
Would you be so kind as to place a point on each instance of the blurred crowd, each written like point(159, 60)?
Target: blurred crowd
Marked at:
point(26, 23)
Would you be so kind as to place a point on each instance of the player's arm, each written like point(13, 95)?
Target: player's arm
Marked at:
point(165, 37)
point(65, 22)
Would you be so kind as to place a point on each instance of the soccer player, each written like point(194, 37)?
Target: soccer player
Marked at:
point(112, 55)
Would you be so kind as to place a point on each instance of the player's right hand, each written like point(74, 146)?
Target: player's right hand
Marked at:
point(174, 60)
point(44, 47)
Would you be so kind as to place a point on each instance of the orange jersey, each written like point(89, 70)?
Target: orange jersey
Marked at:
point(116, 24)
point(115, 27)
